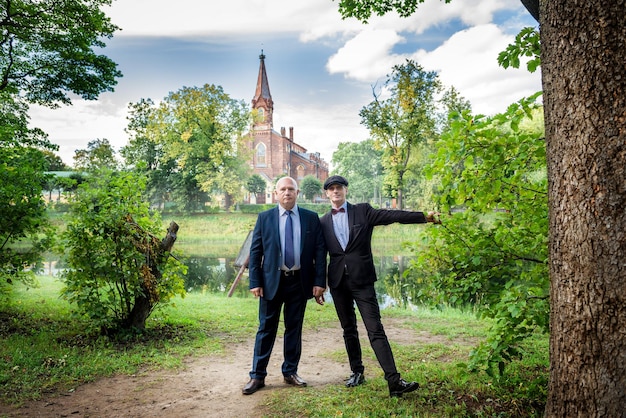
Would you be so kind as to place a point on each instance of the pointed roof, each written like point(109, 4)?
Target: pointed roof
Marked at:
point(262, 85)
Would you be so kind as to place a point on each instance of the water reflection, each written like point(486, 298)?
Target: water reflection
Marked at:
point(216, 275)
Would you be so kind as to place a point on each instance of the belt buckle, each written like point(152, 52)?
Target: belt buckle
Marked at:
point(289, 273)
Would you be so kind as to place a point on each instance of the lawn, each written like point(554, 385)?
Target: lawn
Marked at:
point(46, 349)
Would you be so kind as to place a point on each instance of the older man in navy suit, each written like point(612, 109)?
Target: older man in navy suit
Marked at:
point(287, 267)
point(351, 275)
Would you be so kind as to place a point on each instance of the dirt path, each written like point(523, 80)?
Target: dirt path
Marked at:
point(206, 387)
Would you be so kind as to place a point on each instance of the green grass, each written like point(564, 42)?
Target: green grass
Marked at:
point(211, 235)
point(222, 234)
point(44, 349)
point(447, 389)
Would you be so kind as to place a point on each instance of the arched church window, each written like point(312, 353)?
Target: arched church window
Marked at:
point(260, 155)
point(261, 114)
point(300, 172)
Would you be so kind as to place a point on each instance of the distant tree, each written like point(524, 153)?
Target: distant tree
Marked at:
point(201, 129)
point(401, 121)
point(360, 163)
point(453, 104)
point(53, 182)
point(47, 50)
point(256, 184)
point(99, 154)
point(186, 193)
point(310, 187)
point(141, 150)
point(145, 155)
point(54, 162)
point(75, 180)
point(118, 267)
point(422, 192)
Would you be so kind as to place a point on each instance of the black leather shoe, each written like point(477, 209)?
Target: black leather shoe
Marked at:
point(400, 387)
point(252, 386)
point(295, 380)
point(355, 380)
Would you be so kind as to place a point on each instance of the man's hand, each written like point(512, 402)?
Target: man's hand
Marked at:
point(257, 292)
point(318, 293)
point(433, 217)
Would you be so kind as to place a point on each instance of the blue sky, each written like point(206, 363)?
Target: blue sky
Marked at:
point(321, 68)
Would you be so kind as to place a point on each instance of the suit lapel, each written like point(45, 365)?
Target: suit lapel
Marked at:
point(351, 217)
point(327, 224)
point(303, 226)
point(275, 220)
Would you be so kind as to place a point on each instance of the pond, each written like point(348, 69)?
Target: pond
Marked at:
point(217, 275)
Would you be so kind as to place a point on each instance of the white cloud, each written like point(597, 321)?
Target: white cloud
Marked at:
point(468, 61)
point(217, 18)
point(312, 19)
point(367, 56)
point(73, 127)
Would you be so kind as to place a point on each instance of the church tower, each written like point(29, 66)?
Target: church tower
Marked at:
point(262, 100)
point(275, 154)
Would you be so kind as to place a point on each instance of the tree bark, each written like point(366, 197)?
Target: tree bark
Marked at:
point(583, 60)
point(148, 298)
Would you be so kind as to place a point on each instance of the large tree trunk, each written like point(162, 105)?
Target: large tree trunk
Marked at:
point(583, 65)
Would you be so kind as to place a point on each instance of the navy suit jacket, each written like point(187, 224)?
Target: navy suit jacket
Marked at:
point(357, 259)
point(265, 253)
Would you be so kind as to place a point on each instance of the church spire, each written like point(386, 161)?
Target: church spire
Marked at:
point(262, 100)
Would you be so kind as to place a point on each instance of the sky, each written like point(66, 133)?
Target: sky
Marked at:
point(321, 68)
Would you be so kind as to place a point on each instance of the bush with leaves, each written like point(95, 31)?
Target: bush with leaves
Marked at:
point(493, 253)
point(110, 241)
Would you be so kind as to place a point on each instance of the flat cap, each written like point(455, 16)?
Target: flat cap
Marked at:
point(335, 180)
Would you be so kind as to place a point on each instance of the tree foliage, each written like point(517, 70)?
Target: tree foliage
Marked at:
point(526, 44)
point(109, 242)
point(54, 162)
point(201, 129)
point(363, 9)
point(494, 253)
point(310, 187)
point(25, 232)
point(46, 54)
point(406, 118)
point(256, 184)
point(360, 163)
point(98, 155)
point(47, 50)
point(147, 156)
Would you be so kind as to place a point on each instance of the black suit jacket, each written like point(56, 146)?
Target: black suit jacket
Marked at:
point(266, 255)
point(357, 259)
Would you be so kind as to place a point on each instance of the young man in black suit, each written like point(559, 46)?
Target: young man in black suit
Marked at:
point(351, 275)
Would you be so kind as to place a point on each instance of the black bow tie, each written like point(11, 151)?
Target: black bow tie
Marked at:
point(334, 211)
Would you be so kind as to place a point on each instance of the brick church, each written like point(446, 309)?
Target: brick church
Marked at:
point(276, 154)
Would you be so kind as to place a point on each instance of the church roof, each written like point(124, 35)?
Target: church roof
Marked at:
point(262, 85)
